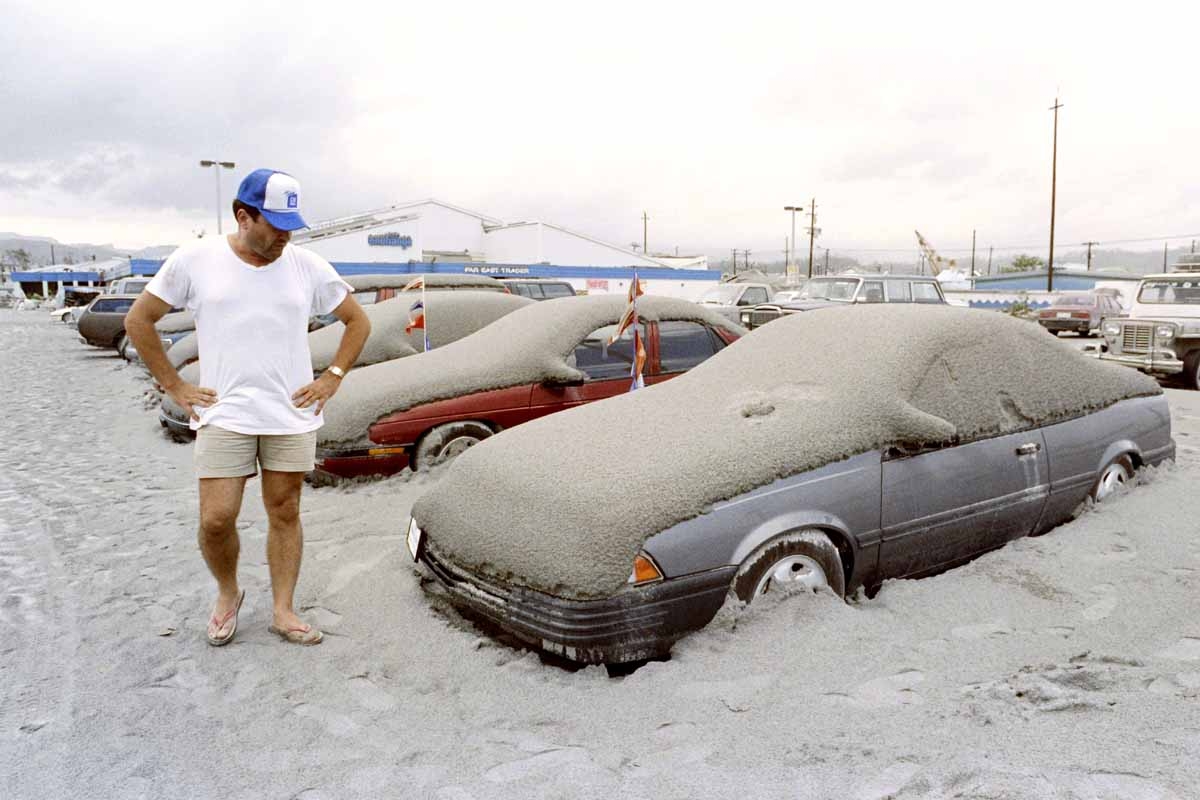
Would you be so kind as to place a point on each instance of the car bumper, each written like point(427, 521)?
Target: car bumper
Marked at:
point(378, 461)
point(1081, 325)
point(1157, 365)
point(633, 625)
point(181, 429)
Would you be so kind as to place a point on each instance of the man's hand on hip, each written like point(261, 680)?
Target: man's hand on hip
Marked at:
point(188, 395)
point(319, 391)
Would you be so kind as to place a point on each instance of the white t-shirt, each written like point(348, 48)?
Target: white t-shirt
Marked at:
point(252, 330)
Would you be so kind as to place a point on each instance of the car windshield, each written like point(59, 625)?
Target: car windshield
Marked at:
point(831, 289)
point(723, 295)
point(1073, 300)
point(1181, 292)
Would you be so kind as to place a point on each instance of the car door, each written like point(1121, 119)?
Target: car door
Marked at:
point(607, 368)
point(950, 503)
point(680, 345)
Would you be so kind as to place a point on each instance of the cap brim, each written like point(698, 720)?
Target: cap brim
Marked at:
point(279, 220)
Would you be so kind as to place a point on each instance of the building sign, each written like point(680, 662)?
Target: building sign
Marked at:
point(389, 240)
point(597, 284)
point(489, 270)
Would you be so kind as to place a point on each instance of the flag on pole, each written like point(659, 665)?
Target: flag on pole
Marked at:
point(639, 361)
point(630, 315)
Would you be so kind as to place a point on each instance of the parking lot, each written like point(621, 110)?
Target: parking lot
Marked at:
point(110, 690)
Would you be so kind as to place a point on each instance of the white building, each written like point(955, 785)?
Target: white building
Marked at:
point(446, 238)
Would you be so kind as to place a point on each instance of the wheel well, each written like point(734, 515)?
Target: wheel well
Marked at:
point(1136, 459)
point(839, 539)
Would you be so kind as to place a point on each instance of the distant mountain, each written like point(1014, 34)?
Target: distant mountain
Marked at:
point(44, 250)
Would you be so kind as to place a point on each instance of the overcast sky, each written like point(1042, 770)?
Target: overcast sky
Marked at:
point(913, 115)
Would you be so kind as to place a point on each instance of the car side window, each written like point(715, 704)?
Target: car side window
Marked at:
point(601, 361)
point(683, 345)
point(872, 292)
point(925, 292)
point(899, 292)
point(557, 290)
point(753, 296)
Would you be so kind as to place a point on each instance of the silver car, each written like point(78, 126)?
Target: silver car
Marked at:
point(830, 451)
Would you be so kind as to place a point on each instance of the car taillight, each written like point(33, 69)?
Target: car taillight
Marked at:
point(1080, 314)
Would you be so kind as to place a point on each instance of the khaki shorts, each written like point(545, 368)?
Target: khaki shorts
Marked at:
point(221, 453)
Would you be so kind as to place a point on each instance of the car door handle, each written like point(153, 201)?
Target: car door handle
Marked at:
point(1028, 449)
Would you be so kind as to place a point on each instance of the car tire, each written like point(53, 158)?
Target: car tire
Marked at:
point(1191, 370)
point(1115, 473)
point(446, 441)
point(806, 558)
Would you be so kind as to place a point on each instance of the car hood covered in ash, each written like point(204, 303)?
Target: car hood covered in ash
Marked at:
point(451, 316)
point(528, 346)
point(562, 504)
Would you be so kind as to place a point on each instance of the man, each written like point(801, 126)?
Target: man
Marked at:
point(252, 294)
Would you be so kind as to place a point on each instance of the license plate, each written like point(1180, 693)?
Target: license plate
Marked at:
point(414, 539)
point(1063, 315)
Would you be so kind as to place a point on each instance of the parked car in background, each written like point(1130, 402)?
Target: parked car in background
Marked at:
point(848, 289)
point(1161, 333)
point(102, 323)
point(826, 452)
point(75, 300)
point(449, 317)
point(729, 299)
point(1081, 312)
point(538, 288)
point(534, 362)
point(375, 288)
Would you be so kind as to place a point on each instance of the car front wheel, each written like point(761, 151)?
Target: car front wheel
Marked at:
point(447, 441)
point(806, 559)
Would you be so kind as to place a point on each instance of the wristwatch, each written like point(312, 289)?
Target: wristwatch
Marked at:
point(336, 370)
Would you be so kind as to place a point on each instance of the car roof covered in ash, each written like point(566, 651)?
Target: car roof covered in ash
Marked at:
point(562, 504)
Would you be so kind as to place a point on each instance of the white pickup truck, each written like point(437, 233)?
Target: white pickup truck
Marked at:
point(1161, 334)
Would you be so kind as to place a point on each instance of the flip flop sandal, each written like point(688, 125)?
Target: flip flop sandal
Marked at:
point(219, 622)
point(301, 634)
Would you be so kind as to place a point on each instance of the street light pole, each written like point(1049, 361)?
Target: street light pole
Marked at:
point(812, 232)
point(216, 165)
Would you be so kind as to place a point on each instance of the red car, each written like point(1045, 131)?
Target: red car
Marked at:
point(448, 399)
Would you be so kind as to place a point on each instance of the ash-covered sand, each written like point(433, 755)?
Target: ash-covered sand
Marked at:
point(1066, 666)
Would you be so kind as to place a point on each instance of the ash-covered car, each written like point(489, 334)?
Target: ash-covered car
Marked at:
point(1161, 334)
point(828, 451)
point(848, 289)
point(729, 299)
point(537, 361)
point(449, 317)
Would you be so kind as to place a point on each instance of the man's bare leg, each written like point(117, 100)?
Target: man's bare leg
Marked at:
point(285, 541)
point(220, 502)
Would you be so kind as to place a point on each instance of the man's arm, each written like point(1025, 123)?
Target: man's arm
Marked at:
point(139, 325)
point(358, 328)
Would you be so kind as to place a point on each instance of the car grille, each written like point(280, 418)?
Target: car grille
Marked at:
point(762, 317)
point(1136, 338)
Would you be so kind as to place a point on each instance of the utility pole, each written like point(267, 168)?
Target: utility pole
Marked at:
point(645, 219)
point(1053, 190)
point(972, 275)
point(734, 249)
point(1089, 247)
point(812, 232)
point(989, 270)
point(785, 255)
point(746, 255)
point(826, 272)
point(1164, 256)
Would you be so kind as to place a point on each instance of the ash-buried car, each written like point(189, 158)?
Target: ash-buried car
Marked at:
point(830, 451)
point(537, 361)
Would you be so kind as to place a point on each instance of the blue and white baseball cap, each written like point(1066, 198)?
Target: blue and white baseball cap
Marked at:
point(277, 195)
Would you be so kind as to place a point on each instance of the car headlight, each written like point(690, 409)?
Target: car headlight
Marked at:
point(1112, 329)
point(1165, 331)
point(644, 571)
point(745, 315)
